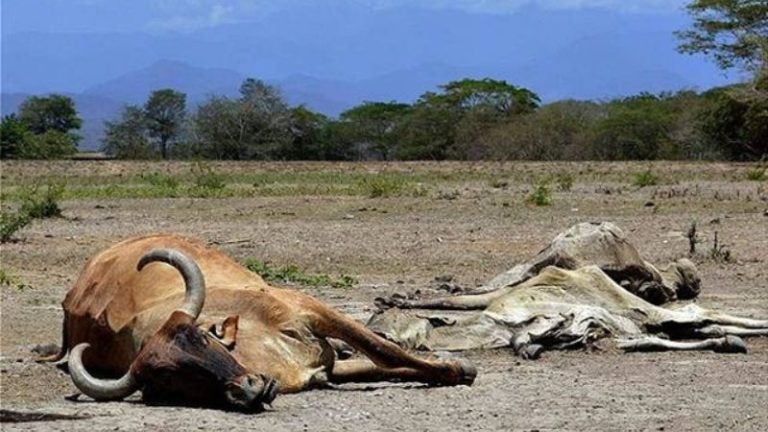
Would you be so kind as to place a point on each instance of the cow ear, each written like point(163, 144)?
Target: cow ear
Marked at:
point(226, 332)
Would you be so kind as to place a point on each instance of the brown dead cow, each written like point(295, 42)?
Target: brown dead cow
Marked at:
point(185, 324)
point(589, 285)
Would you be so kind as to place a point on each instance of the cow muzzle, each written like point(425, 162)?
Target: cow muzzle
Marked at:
point(252, 392)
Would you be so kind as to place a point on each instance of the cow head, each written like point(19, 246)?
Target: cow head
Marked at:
point(181, 363)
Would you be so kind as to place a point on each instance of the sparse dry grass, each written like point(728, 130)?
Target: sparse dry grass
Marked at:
point(312, 220)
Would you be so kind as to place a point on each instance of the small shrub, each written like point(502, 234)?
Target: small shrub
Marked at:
point(292, 274)
point(344, 281)
point(564, 182)
point(757, 174)
point(207, 181)
point(161, 180)
point(42, 204)
point(541, 195)
point(693, 239)
point(6, 279)
point(719, 251)
point(10, 223)
point(383, 186)
point(645, 178)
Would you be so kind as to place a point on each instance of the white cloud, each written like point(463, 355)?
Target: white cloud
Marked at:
point(197, 14)
point(190, 15)
point(507, 6)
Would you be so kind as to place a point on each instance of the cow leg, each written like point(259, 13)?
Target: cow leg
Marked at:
point(727, 344)
point(459, 302)
point(346, 371)
point(722, 330)
point(730, 320)
point(402, 366)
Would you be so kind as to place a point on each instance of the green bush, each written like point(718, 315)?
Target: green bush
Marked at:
point(383, 186)
point(207, 181)
point(9, 280)
point(36, 203)
point(541, 195)
point(10, 223)
point(160, 180)
point(292, 274)
point(645, 178)
point(757, 174)
point(39, 204)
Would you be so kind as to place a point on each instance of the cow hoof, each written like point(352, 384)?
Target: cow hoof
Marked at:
point(396, 300)
point(467, 372)
point(732, 344)
point(531, 351)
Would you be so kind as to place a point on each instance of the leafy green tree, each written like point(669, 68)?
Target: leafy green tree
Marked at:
point(165, 113)
point(735, 124)
point(377, 124)
point(266, 116)
point(128, 138)
point(487, 94)
point(315, 137)
point(218, 130)
point(454, 122)
point(733, 32)
point(50, 122)
point(634, 129)
point(53, 112)
point(51, 144)
point(257, 125)
point(429, 131)
point(475, 106)
point(556, 131)
point(14, 137)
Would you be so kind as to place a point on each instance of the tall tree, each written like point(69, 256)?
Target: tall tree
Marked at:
point(14, 137)
point(128, 138)
point(266, 118)
point(554, 132)
point(733, 32)
point(487, 94)
point(257, 125)
point(53, 112)
point(165, 113)
point(377, 125)
point(476, 106)
point(310, 136)
point(737, 125)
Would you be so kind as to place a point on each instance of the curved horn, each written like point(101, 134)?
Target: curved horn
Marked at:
point(98, 389)
point(193, 277)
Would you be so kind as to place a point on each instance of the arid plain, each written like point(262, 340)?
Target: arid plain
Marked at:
point(395, 228)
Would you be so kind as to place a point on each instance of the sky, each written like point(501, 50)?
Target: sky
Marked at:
point(190, 15)
point(334, 54)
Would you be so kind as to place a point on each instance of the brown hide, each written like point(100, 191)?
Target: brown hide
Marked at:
point(280, 333)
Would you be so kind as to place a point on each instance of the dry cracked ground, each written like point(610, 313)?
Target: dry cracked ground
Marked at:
point(469, 221)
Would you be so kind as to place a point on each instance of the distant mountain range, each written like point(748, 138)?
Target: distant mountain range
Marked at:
point(333, 58)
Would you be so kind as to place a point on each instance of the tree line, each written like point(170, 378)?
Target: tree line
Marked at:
point(468, 119)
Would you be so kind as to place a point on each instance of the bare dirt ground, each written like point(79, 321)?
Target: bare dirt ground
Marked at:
point(399, 244)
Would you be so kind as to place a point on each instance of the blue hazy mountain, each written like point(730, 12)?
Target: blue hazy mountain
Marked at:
point(331, 55)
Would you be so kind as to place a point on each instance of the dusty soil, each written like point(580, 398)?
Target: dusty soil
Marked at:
point(401, 244)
